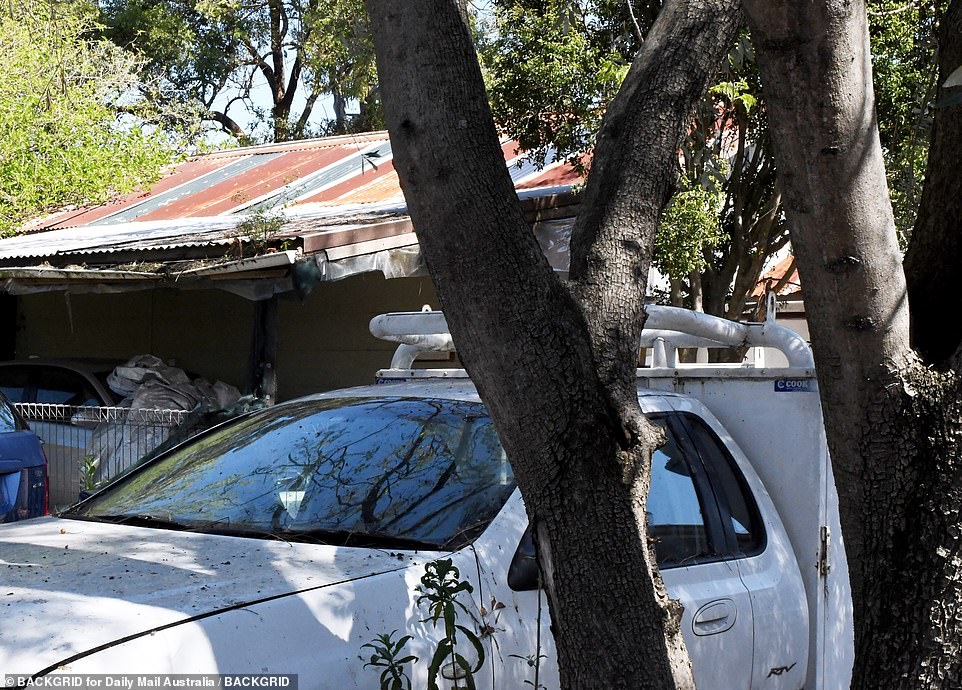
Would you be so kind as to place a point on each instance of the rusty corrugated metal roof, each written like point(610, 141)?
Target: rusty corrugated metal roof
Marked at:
point(356, 169)
point(332, 194)
point(782, 278)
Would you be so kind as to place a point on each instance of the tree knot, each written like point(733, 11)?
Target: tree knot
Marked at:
point(843, 264)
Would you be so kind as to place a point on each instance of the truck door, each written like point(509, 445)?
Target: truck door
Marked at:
point(764, 560)
point(690, 545)
point(691, 550)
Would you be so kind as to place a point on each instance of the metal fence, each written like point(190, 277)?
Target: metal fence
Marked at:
point(86, 446)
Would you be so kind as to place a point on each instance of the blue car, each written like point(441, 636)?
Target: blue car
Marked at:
point(23, 468)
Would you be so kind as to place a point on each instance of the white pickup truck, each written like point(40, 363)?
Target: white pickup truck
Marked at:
point(284, 541)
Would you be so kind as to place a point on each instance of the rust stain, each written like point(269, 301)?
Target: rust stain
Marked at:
point(775, 275)
point(344, 192)
point(388, 187)
point(302, 145)
point(290, 163)
point(178, 175)
point(556, 175)
point(268, 177)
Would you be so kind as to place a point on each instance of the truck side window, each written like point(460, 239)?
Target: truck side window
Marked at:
point(738, 508)
point(675, 517)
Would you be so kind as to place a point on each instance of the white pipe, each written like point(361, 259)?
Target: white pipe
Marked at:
point(733, 334)
point(428, 330)
point(659, 354)
point(404, 356)
point(407, 351)
point(405, 323)
point(786, 340)
point(696, 323)
point(677, 338)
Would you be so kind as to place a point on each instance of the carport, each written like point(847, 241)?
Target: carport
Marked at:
point(259, 266)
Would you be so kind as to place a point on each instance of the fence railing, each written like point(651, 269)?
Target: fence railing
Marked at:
point(86, 446)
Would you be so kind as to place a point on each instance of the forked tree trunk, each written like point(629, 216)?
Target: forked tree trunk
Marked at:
point(893, 425)
point(550, 370)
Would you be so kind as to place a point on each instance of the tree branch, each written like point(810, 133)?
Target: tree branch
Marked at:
point(306, 113)
point(642, 131)
point(228, 124)
point(261, 63)
point(292, 84)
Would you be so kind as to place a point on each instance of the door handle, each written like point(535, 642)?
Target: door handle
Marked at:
point(714, 617)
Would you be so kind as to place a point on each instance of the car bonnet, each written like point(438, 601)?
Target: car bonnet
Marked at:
point(69, 586)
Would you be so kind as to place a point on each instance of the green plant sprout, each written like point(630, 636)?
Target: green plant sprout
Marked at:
point(386, 655)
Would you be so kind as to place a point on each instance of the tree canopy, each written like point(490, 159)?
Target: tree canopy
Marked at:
point(63, 98)
point(266, 61)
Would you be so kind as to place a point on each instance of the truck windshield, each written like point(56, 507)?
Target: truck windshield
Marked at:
point(397, 472)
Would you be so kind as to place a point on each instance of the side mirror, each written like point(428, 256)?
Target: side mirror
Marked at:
point(523, 574)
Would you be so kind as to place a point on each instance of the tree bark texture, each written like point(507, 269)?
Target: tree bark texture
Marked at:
point(935, 250)
point(633, 175)
point(544, 369)
point(892, 424)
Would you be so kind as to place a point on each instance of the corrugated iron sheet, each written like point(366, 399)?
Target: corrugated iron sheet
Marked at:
point(345, 183)
point(165, 205)
point(177, 176)
point(263, 175)
point(347, 170)
point(334, 170)
point(779, 276)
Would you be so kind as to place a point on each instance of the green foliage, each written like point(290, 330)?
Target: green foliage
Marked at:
point(904, 50)
point(259, 228)
point(689, 227)
point(552, 67)
point(189, 50)
point(737, 94)
point(206, 56)
point(88, 473)
point(440, 586)
point(387, 655)
point(551, 70)
point(340, 56)
point(61, 92)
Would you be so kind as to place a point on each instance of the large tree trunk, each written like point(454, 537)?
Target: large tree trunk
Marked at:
point(892, 425)
point(553, 379)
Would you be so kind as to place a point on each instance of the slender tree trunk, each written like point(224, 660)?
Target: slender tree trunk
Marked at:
point(551, 377)
point(676, 292)
point(340, 112)
point(892, 425)
point(697, 295)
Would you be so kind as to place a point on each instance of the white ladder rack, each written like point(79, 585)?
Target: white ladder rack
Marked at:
point(667, 330)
